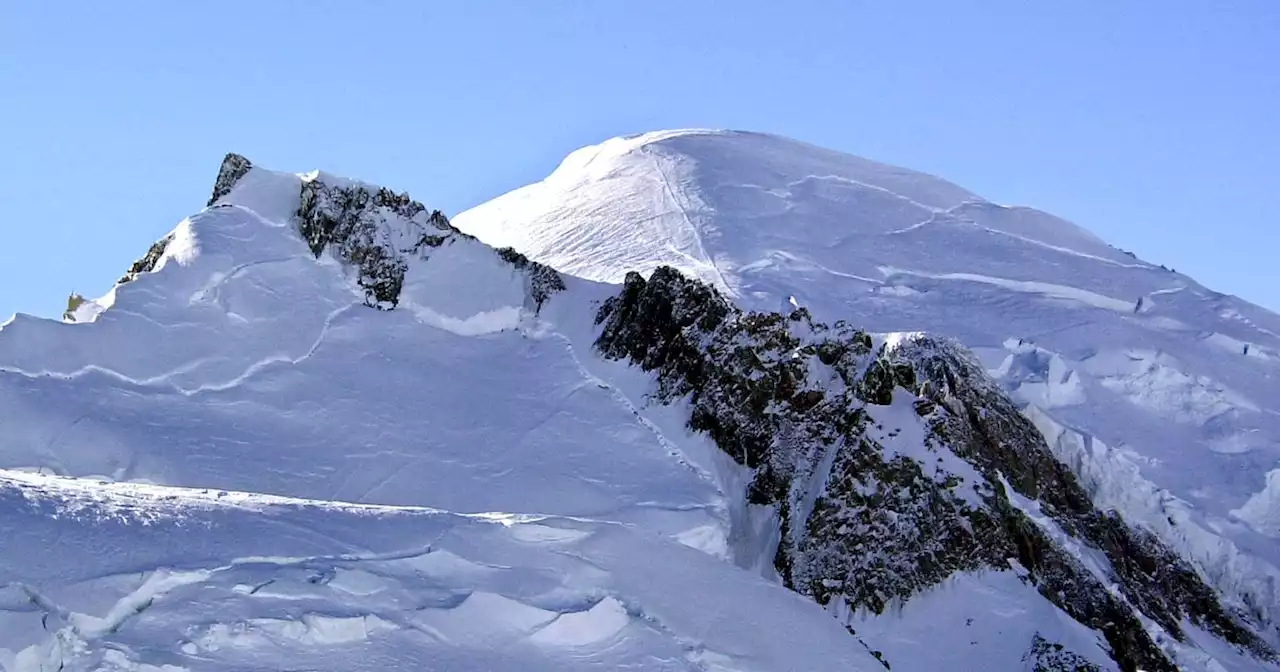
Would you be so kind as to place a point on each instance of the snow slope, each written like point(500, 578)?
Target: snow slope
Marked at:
point(224, 580)
point(234, 462)
point(1168, 412)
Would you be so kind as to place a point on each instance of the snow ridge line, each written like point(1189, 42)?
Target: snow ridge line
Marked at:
point(1058, 248)
point(1060, 292)
point(220, 279)
point(1030, 241)
point(918, 225)
point(872, 187)
point(165, 378)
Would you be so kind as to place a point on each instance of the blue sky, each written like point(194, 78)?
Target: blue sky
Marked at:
point(1155, 124)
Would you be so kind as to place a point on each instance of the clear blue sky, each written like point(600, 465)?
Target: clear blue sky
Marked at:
point(1155, 124)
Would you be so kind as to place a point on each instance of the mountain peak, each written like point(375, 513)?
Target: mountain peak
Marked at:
point(1157, 391)
point(234, 167)
point(722, 204)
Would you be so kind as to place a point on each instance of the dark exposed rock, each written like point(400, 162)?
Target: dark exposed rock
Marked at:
point(1046, 656)
point(73, 302)
point(878, 655)
point(885, 526)
point(233, 168)
point(352, 222)
point(373, 230)
point(543, 280)
point(148, 261)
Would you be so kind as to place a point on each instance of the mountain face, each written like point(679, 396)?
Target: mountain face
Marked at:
point(316, 427)
point(895, 468)
point(1156, 392)
point(320, 426)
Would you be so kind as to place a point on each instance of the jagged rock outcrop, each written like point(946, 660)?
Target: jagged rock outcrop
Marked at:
point(543, 280)
point(372, 230)
point(352, 222)
point(1046, 656)
point(73, 302)
point(233, 168)
point(148, 261)
point(796, 401)
point(379, 233)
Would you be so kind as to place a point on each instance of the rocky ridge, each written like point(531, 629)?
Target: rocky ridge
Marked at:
point(374, 231)
point(1165, 414)
point(797, 402)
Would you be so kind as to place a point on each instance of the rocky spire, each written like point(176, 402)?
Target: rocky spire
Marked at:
point(233, 168)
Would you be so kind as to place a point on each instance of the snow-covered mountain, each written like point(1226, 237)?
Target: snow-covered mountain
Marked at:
point(1159, 393)
point(236, 461)
point(319, 426)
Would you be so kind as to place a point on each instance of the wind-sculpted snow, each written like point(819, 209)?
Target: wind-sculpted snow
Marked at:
point(1160, 392)
point(199, 580)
